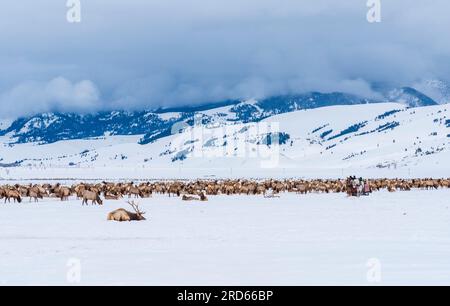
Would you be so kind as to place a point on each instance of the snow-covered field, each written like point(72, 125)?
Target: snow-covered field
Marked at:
point(399, 238)
point(393, 238)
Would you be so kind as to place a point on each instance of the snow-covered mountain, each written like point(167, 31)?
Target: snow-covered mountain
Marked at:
point(438, 90)
point(376, 139)
point(156, 124)
point(410, 96)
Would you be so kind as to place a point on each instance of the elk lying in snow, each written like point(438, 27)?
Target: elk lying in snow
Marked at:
point(271, 194)
point(189, 198)
point(112, 196)
point(91, 196)
point(124, 215)
point(202, 197)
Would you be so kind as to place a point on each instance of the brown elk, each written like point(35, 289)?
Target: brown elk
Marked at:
point(121, 214)
point(110, 196)
point(189, 198)
point(63, 193)
point(134, 191)
point(34, 193)
point(201, 197)
point(91, 196)
point(11, 193)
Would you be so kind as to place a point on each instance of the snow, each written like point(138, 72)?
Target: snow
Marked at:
point(169, 115)
point(232, 240)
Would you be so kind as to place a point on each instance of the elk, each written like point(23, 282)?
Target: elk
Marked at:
point(134, 191)
point(91, 196)
point(110, 196)
point(63, 193)
point(122, 215)
point(201, 197)
point(8, 194)
point(35, 194)
point(189, 198)
point(302, 189)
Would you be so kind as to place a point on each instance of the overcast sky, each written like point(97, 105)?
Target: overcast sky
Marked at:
point(149, 53)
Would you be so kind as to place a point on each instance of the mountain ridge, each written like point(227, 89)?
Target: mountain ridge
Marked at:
point(155, 124)
point(374, 138)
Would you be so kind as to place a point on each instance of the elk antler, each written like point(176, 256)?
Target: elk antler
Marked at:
point(132, 204)
point(136, 207)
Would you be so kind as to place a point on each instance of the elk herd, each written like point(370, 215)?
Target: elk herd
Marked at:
point(198, 190)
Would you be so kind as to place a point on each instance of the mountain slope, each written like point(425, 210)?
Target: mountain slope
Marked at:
point(438, 90)
point(411, 97)
point(153, 125)
point(376, 139)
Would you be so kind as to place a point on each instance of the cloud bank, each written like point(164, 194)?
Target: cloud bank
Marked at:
point(152, 53)
point(58, 94)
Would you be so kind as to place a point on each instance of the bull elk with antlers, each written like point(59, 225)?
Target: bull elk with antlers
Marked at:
point(121, 214)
